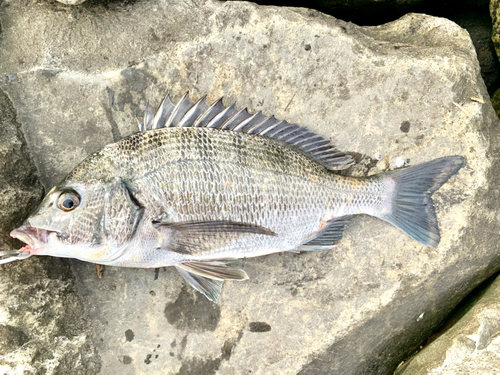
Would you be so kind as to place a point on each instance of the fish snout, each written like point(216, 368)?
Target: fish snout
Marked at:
point(34, 238)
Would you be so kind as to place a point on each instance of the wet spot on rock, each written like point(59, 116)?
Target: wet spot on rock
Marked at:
point(148, 359)
point(259, 327)
point(200, 366)
point(49, 73)
point(307, 47)
point(405, 126)
point(183, 346)
point(227, 349)
point(137, 79)
point(127, 360)
point(115, 131)
point(129, 335)
point(111, 97)
point(193, 312)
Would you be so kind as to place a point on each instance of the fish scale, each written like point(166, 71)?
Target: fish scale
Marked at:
point(200, 184)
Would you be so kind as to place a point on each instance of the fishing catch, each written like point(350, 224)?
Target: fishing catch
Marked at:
point(200, 184)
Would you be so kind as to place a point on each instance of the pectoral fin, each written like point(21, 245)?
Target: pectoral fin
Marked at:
point(207, 277)
point(200, 237)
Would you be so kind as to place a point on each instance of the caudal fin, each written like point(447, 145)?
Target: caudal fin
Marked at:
point(412, 209)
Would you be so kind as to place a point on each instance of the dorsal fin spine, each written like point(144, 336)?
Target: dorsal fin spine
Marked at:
point(256, 128)
point(229, 124)
point(162, 113)
point(272, 127)
point(190, 116)
point(209, 112)
point(310, 141)
point(214, 123)
point(148, 116)
point(245, 122)
point(178, 110)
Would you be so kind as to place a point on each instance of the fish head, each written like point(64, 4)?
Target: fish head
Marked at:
point(70, 223)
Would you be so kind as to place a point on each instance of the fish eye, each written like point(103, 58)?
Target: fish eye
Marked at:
point(68, 201)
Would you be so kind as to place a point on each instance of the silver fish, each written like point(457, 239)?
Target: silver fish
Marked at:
point(200, 184)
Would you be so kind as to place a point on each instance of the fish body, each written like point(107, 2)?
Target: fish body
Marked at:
point(200, 184)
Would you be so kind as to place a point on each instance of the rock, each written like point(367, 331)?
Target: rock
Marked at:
point(478, 25)
point(495, 17)
point(42, 329)
point(71, 2)
point(376, 12)
point(495, 101)
point(368, 12)
point(20, 190)
point(470, 346)
point(396, 90)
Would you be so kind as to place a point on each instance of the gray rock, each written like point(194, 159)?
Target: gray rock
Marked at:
point(397, 90)
point(495, 101)
point(495, 17)
point(71, 2)
point(470, 346)
point(478, 25)
point(42, 329)
point(20, 189)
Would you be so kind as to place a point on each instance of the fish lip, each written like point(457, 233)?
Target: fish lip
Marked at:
point(35, 238)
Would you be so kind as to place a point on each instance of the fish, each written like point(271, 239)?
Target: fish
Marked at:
point(200, 185)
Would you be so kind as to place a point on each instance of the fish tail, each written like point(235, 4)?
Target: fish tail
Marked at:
point(410, 206)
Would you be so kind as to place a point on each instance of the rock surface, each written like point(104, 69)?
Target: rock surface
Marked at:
point(471, 346)
point(71, 2)
point(80, 78)
point(495, 101)
point(478, 25)
point(41, 326)
point(495, 17)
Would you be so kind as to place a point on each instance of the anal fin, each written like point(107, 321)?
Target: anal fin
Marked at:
point(327, 238)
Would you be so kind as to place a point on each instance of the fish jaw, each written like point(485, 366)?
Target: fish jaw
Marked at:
point(38, 241)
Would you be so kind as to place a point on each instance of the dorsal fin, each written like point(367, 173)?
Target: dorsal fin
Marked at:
point(188, 114)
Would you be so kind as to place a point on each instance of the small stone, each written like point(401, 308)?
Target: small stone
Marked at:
point(397, 162)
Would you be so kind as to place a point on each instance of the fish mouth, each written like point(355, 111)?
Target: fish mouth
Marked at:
point(35, 240)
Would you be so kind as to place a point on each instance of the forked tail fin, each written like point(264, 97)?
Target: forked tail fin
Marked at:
point(412, 209)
